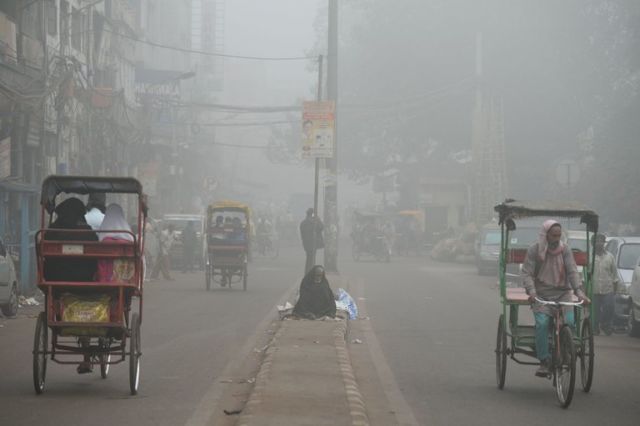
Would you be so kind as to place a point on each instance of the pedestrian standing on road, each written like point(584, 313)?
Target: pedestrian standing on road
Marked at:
point(167, 237)
point(151, 248)
point(550, 273)
point(96, 207)
point(189, 245)
point(606, 284)
point(316, 300)
point(311, 233)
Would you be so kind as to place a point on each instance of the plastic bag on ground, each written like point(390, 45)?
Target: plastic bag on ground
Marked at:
point(344, 299)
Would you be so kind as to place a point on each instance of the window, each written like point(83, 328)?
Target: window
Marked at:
point(52, 18)
point(629, 254)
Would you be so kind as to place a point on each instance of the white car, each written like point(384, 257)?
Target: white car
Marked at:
point(634, 302)
point(626, 251)
point(8, 284)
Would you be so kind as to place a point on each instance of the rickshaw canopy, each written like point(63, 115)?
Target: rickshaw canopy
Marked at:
point(228, 205)
point(54, 185)
point(514, 209)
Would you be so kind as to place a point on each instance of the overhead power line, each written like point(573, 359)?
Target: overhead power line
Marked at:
point(216, 54)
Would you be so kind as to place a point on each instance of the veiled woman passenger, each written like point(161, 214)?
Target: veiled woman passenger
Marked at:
point(113, 222)
point(316, 298)
point(70, 215)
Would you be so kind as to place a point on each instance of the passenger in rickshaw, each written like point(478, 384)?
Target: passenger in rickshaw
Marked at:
point(70, 215)
point(238, 232)
point(550, 273)
point(115, 270)
point(96, 207)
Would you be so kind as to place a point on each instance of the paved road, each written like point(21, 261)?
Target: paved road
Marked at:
point(430, 350)
point(190, 338)
point(436, 326)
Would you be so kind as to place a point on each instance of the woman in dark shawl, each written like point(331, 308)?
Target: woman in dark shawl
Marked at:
point(70, 215)
point(316, 298)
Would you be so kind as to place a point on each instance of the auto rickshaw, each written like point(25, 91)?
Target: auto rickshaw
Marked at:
point(229, 234)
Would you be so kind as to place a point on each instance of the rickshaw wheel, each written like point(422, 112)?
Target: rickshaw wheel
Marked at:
point(501, 353)
point(39, 353)
point(564, 369)
point(134, 354)
point(104, 365)
point(586, 355)
point(245, 274)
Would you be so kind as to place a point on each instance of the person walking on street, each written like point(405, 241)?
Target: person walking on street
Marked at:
point(167, 237)
point(189, 245)
point(550, 273)
point(311, 234)
point(151, 249)
point(606, 284)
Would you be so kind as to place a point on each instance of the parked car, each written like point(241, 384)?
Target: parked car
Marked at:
point(180, 221)
point(634, 302)
point(487, 249)
point(8, 284)
point(626, 251)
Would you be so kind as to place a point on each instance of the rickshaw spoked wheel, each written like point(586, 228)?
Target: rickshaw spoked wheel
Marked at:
point(564, 369)
point(104, 359)
point(501, 353)
point(134, 354)
point(586, 355)
point(40, 341)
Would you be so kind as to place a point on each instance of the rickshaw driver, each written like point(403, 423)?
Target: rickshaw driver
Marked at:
point(548, 267)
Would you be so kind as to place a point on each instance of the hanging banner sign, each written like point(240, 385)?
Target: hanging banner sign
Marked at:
point(318, 129)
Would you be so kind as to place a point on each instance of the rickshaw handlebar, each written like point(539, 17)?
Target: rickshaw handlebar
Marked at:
point(548, 302)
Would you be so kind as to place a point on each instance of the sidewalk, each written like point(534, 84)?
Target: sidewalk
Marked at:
point(306, 377)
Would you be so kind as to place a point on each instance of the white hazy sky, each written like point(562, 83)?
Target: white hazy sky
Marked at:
point(274, 28)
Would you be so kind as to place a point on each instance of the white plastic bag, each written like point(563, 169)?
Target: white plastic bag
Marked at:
point(345, 299)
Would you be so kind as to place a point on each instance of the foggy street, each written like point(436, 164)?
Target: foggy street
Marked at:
point(319, 212)
point(434, 324)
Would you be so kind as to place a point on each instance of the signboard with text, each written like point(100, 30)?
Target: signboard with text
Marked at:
point(318, 125)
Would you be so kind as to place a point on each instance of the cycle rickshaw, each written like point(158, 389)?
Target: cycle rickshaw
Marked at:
point(516, 340)
point(89, 319)
point(228, 243)
point(369, 237)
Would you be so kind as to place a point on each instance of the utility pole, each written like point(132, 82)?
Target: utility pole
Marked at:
point(331, 186)
point(317, 168)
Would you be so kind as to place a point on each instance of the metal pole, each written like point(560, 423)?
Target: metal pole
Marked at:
point(331, 190)
point(317, 170)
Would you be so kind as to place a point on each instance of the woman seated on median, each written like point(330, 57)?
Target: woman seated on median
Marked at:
point(316, 298)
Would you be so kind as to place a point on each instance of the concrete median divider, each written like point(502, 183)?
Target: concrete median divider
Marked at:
point(306, 377)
